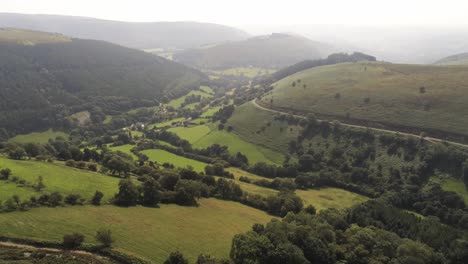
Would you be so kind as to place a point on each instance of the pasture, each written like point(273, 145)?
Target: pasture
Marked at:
point(59, 178)
point(421, 96)
point(162, 156)
point(38, 137)
point(149, 233)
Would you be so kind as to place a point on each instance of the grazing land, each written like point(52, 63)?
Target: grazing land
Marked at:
point(203, 136)
point(325, 198)
point(150, 233)
point(60, 178)
point(38, 137)
point(125, 149)
point(421, 96)
point(176, 103)
point(261, 128)
point(162, 156)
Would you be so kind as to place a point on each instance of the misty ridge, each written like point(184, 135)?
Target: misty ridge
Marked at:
point(398, 44)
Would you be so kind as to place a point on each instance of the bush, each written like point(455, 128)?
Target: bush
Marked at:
point(73, 240)
point(176, 258)
point(96, 200)
point(5, 174)
point(92, 167)
point(73, 199)
point(104, 236)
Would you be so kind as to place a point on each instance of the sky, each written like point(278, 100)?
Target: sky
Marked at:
point(257, 12)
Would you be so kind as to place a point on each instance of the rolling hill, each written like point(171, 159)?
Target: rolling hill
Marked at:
point(46, 77)
point(271, 51)
point(421, 97)
point(175, 35)
point(458, 59)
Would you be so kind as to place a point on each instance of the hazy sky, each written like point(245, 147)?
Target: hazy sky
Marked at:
point(260, 12)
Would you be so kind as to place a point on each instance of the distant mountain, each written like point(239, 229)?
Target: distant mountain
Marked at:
point(46, 77)
point(167, 35)
point(459, 59)
point(271, 51)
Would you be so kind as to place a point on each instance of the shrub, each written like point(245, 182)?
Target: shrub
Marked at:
point(70, 163)
point(176, 258)
point(92, 167)
point(73, 240)
point(104, 236)
point(5, 174)
point(96, 200)
point(73, 199)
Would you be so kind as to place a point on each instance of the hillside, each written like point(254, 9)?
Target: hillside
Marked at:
point(459, 59)
point(176, 35)
point(272, 51)
point(429, 98)
point(41, 83)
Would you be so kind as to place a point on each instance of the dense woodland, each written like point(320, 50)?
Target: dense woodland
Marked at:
point(42, 85)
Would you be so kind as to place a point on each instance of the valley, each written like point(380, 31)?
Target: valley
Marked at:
point(187, 142)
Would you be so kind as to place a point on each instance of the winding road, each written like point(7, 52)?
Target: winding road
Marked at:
point(429, 139)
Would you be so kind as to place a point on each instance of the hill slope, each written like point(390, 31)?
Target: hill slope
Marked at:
point(272, 51)
point(430, 98)
point(42, 83)
point(179, 35)
point(459, 59)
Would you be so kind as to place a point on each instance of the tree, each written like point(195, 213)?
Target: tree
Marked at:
point(39, 186)
point(96, 200)
point(73, 240)
point(150, 192)
point(104, 236)
point(128, 194)
point(17, 153)
point(176, 258)
point(5, 174)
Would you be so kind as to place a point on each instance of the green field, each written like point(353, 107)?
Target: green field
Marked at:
point(203, 136)
point(38, 137)
point(162, 156)
point(206, 89)
point(125, 149)
point(8, 189)
point(60, 178)
point(261, 128)
point(150, 233)
point(210, 112)
point(330, 198)
point(167, 123)
point(176, 103)
point(393, 92)
point(457, 186)
point(192, 134)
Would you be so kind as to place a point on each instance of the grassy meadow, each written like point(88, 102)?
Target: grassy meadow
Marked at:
point(261, 128)
point(58, 178)
point(149, 233)
point(203, 136)
point(162, 156)
point(176, 103)
point(422, 96)
point(125, 149)
point(38, 137)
